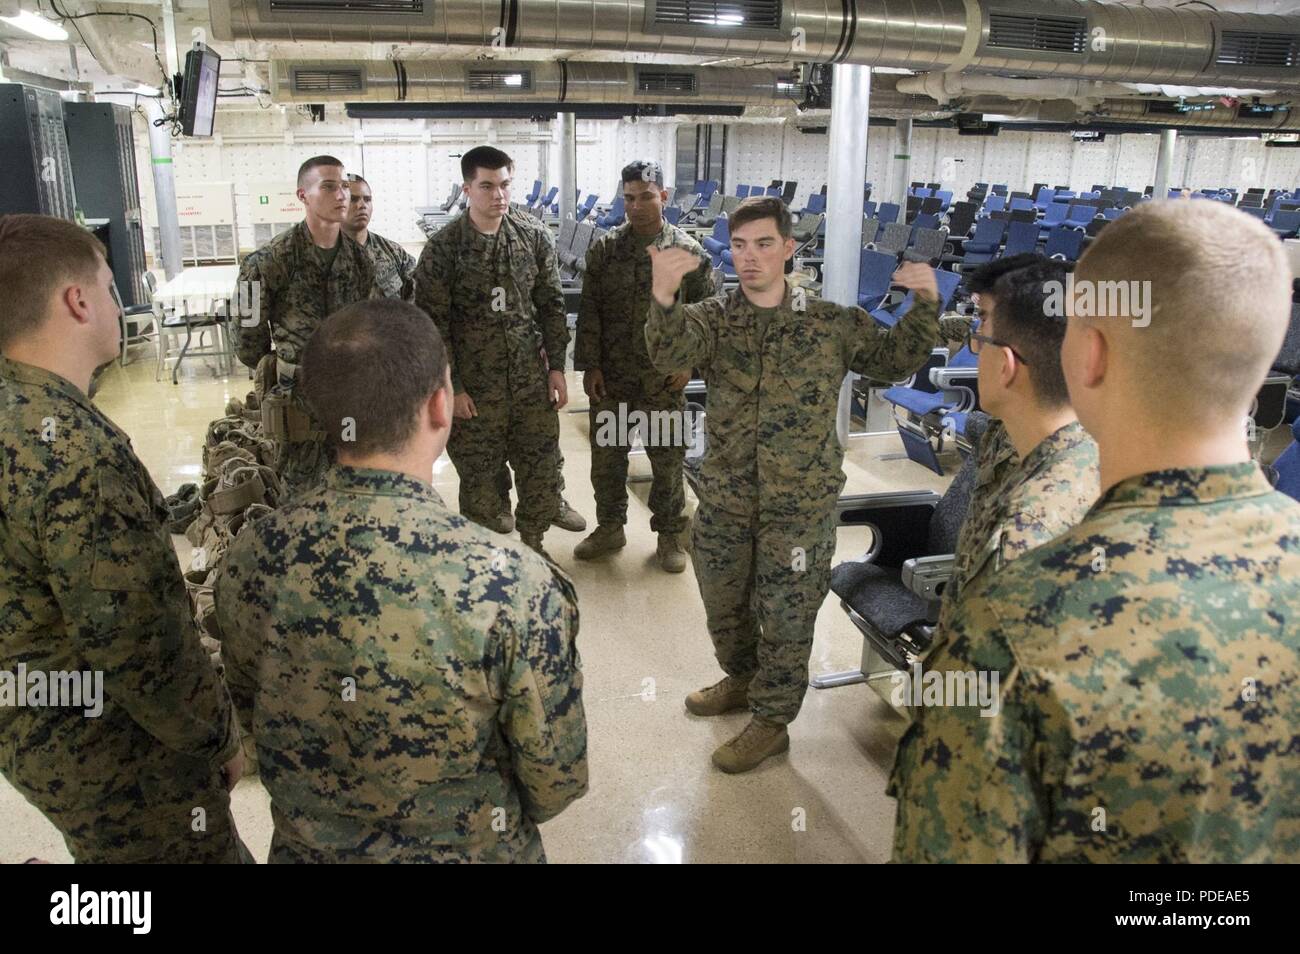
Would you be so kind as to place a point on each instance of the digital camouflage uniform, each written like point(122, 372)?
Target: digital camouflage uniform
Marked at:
point(497, 302)
point(294, 295)
point(764, 533)
point(467, 726)
point(394, 267)
point(1147, 664)
point(89, 582)
point(1018, 505)
point(611, 337)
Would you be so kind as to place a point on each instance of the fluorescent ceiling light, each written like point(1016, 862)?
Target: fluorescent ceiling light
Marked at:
point(146, 90)
point(36, 25)
point(513, 79)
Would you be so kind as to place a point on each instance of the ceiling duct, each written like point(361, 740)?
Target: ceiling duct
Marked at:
point(493, 81)
point(1079, 39)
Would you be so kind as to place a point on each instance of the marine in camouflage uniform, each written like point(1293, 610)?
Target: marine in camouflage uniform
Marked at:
point(764, 533)
point(394, 267)
point(90, 582)
point(1148, 689)
point(1018, 505)
point(466, 728)
point(497, 301)
point(611, 338)
point(295, 285)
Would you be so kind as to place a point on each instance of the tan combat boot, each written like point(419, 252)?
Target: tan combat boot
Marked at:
point(672, 558)
point(606, 538)
point(759, 740)
point(534, 542)
point(728, 695)
point(569, 519)
point(504, 522)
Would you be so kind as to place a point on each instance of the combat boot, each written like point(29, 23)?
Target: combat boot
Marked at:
point(569, 519)
point(504, 522)
point(534, 542)
point(730, 694)
point(672, 558)
point(606, 538)
point(759, 740)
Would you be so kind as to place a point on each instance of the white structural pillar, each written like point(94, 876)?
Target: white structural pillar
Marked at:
point(846, 175)
point(568, 129)
point(1164, 163)
point(164, 187)
point(903, 163)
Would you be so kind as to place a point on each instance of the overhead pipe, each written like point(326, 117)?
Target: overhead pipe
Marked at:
point(1080, 39)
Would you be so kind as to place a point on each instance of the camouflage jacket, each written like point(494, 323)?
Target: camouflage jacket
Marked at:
point(1148, 703)
point(394, 267)
point(292, 295)
point(412, 680)
point(772, 446)
point(498, 304)
point(615, 302)
point(89, 582)
point(1018, 505)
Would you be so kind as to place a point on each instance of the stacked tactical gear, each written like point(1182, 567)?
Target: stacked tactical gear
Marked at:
point(239, 486)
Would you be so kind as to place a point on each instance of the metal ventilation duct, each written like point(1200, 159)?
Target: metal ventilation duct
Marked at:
point(494, 81)
point(1067, 38)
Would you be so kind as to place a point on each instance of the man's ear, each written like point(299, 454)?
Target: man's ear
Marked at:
point(1011, 367)
point(440, 408)
point(1096, 356)
point(789, 248)
point(73, 298)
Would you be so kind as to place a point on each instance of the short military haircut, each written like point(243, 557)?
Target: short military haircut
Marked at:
point(764, 207)
point(1025, 321)
point(982, 280)
point(373, 363)
point(1215, 289)
point(484, 157)
point(316, 162)
point(644, 170)
point(353, 177)
point(40, 255)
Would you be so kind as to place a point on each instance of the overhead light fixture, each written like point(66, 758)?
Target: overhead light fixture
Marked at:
point(513, 79)
point(36, 25)
point(146, 90)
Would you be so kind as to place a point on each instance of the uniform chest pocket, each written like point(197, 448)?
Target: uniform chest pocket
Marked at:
point(128, 537)
point(736, 366)
point(811, 370)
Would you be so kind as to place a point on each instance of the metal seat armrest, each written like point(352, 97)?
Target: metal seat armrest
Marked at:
point(947, 378)
point(927, 576)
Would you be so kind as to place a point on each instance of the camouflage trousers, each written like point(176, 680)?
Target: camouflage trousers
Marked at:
point(526, 435)
point(763, 582)
point(664, 446)
point(303, 841)
point(155, 824)
point(505, 483)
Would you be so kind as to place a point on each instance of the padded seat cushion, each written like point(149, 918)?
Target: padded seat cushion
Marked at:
point(877, 594)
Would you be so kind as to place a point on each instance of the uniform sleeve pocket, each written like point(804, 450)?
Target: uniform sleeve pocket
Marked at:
point(128, 537)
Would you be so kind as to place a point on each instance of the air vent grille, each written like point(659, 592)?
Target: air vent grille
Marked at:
point(664, 82)
point(748, 14)
point(500, 81)
point(1242, 48)
point(1041, 34)
point(328, 81)
point(353, 7)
